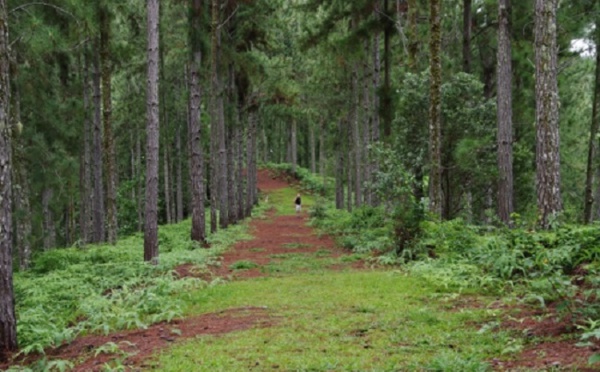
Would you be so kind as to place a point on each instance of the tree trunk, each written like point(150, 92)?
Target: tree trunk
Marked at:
point(435, 110)
point(592, 145)
point(322, 148)
point(313, 148)
point(8, 321)
point(167, 181)
point(86, 222)
point(109, 150)
point(466, 46)
point(21, 190)
point(339, 166)
point(240, 164)
point(179, 175)
point(251, 163)
point(48, 219)
point(386, 99)
point(356, 137)
point(366, 127)
point(139, 182)
point(198, 232)
point(294, 145)
point(413, 43)
point(152, 129)
point(504, 107)
point(549, 200)
point(98, 193)
point(231, 179)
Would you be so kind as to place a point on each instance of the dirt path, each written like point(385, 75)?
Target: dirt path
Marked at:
point(274, 235)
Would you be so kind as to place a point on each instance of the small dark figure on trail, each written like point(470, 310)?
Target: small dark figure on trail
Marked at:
point(298, 202)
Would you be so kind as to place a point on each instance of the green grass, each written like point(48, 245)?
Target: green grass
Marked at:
point(355, 321)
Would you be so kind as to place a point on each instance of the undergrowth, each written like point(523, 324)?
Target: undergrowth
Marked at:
point(104, 288)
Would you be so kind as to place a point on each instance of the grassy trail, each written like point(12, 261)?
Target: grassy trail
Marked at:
point(313, 318)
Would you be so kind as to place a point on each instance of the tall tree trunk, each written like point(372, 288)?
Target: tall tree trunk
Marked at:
point(231, 181)
point(549, 200)
point(592, 144)
point(350, 165)
point(20, 188)
point(152, 129)
point(109, 150)
point(435, 110)
point(48, 219)
point(322, 148)
point(386, 96)
point(366, 128)
point(240, 164)
point(339, 166)
point(167, 182)
point(99, 233)
point(356, 138)
point(251, 162)
point(504, 107)
point(86, 221)
point(466, 52)
point(413, 38)
point(375, 125)
point(179, 175)
point(313, 148)
point(139, 181)
point(294, 145)
point(8, 321)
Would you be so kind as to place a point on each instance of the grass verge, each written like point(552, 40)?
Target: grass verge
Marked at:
point(367, 321)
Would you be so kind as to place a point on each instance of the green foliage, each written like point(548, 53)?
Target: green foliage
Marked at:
point(100, 289)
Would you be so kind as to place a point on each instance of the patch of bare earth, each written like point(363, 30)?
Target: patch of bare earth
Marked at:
point(272, 236)
point(553, 344)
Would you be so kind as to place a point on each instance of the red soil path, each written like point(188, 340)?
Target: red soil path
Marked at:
point(275, 235)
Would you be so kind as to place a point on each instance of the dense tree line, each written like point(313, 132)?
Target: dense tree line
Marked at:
point(119, 116)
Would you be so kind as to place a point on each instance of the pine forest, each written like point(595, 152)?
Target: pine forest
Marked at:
point(299, 185)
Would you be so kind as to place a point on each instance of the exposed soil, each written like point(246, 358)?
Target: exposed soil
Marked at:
point(289, 234)
point(553, 343)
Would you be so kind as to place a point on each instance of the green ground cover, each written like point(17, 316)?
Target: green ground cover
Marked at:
point(344, 321)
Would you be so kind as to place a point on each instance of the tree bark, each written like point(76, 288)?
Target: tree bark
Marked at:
point(592, 144)
point(467, 20)
point(339, 166)
point(152, 129)
point(549, 199)
point(504, 109)
point(294, 145)
point(313, 148)
point(109, 150)
point(179, 176)
point(86, 220)
point(167, 181)
point(48, 219)
point(386, 99)
point(20, 188)
point(99, 233)
point(8, 321)
point(356, 137)
point(435, 110)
